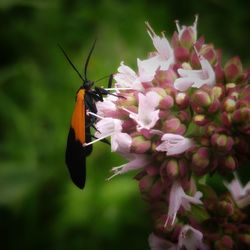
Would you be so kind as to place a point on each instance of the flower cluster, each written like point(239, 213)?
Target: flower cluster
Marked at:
point(180, 118)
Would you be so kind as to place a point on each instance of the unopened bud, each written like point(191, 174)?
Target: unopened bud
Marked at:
point(182, 100)
point(229, 104)
point(201, 98)
point(146, 183)
point(200, 161)
point(222, 142)
point(225, 208)
point(208, 51)
point(217, 92)
point(233, 69)
point(140, 145)
point(166, 103)
point(200, 120)
point(181, 54)
point(172, 168)
point(174, 125)
point(187, 37)
point(225, 243)
point(228, 163)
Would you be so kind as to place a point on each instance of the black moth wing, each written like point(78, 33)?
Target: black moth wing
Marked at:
point(76, 155)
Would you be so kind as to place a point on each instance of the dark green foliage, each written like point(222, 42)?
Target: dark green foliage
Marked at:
point(39, 206)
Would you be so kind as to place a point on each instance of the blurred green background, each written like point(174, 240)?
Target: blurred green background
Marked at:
point(39, 206)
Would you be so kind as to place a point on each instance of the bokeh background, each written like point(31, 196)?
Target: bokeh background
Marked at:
point(39, 206)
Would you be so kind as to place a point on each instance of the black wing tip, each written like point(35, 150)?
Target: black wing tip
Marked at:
point(80, 184)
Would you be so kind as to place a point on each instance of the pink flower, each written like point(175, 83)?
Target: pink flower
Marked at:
point(241, 195)
point(147, 114)
point(174, 144)
point(157, 243)
point(191, 239)
point(137, 161)
point(107, 105)
point(162, 59)
point(195, 78)
point(177, 199)
point(127, 78)
point(112, 127)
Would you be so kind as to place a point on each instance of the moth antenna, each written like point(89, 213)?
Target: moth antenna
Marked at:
point(70, 62)
point(87, 60)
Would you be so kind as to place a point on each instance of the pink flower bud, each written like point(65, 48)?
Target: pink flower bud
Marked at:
point(128, 126)
point(219, 72)
point(183, 167)
point(208, 51)
point(225, 208)
point(222, 142)
point(146, 183)
point(188, 37)
point(229, 104)
point(200, 120)
point(156, 190)
point(200, 161)
point(184, 116)
point(182, 100)
point(226, 119)
point(181, 54)
point(174, 126)
point(166, 103)
point(230, 87)
point(233, 70)
point(152, 170)
point(224, 243)
point(201, 98)
point(210, 128)
point(140, 145)
point(214, 107)
point(164, 78)
point(217, 92)
point(228, 163)
point(172, 168)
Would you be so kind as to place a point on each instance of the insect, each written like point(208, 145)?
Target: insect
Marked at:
point(81, 122)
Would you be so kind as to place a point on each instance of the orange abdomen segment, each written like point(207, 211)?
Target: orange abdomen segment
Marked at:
point(78, 117)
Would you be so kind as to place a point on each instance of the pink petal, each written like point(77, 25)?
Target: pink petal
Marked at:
point(127, 78)
point(191, 238)
point(174, 144)
point(121, 142)
point(178, 198)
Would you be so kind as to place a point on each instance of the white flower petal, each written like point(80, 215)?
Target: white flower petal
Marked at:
point(241, 195)
point(174, 144)
point(121, 142)
point(178, 198)
point(191, 239)
point(127, 78)
point(195, 78)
